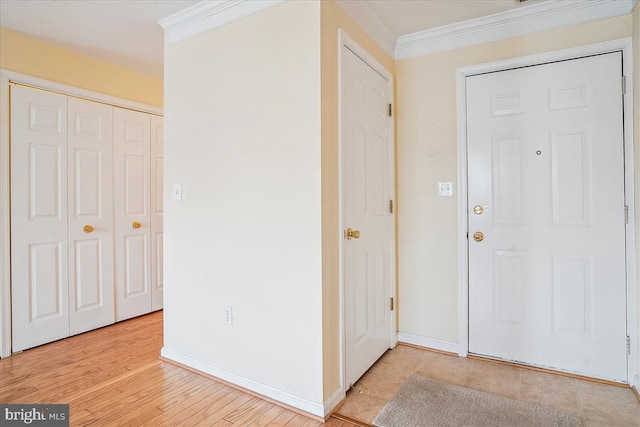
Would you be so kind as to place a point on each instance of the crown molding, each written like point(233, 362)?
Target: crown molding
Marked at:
point(209, 14)
point(371, 23)
point(526, 20)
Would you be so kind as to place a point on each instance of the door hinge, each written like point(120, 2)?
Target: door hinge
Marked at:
point(390, 110)
point(626, 214)
point(392, 303)
point(624, 85)
point(628, 345)
point(390, 206)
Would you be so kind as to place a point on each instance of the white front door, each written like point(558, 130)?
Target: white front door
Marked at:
point(366, 182)
point(132, 213)
point(546, 190)
point(90, 220)
point(39, 289)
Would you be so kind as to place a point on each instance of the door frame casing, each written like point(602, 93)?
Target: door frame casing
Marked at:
point(344, 40)
point(623, 45)
point(6, 78)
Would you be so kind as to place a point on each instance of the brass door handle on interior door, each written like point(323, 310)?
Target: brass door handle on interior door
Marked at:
point(351, 234)
point(135, 225)
point(87, 229)
point(478, 236)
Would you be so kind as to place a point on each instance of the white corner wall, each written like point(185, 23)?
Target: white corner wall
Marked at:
point(242, 116)
point(635, 341)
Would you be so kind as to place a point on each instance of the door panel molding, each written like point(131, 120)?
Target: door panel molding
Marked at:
point(621, 45)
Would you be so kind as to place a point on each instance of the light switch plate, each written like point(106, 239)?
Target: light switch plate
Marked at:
point(445, 189)
point(177, 192)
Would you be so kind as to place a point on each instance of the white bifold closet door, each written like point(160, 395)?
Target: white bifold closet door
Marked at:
point(132, 175)
point(157, 249)
point(90, 215)
point(61, 217)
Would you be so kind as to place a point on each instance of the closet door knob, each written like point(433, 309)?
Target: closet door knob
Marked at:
point(87, 228)
point(136, 225)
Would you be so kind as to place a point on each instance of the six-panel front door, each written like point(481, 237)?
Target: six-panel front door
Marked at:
point(366, 191)
point(546, 192)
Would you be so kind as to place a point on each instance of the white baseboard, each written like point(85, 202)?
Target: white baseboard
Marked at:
point(334, 400)
point(636, 383)
point(435, 344)
point(303, 404)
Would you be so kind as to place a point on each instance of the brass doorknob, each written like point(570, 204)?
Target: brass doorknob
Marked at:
point(478, 236)
point(136, 225)
point(352, 234)
point(87, 228)
point(478, 210)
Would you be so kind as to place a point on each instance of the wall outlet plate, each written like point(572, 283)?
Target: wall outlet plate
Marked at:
point(228, 315)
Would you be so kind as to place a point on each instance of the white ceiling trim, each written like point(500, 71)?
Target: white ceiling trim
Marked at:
point(527, 20)
point(371, 23)
point(207, 15)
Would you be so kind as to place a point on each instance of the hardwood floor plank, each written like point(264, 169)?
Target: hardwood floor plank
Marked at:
point(254, 412)
point(207, 417)
point(243, 410)
point(268, 416)
point(175, 411)
point(297, 421)
point(151, 402)
point(109, 410)
point(282, 419)
point(201, 410)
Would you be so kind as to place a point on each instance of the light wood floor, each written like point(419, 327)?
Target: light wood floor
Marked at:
point(112, 376)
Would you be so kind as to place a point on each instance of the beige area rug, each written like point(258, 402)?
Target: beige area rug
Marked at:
point(422, 402)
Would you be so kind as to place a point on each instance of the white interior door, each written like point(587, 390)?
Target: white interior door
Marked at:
point(546, 189)
point(90, 218)
point(39, 291)
point(366, 192)
point(132, 213)
point(157, 200)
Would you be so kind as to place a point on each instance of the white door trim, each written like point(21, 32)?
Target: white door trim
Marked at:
point(7, 77)
point(347, 41)
point(623, 45)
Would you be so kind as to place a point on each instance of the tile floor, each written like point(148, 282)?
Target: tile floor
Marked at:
point(597, 404)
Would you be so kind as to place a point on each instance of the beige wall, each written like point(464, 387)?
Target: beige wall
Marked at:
point(333, 18)
point(243, 137)
point(33, 56)
point(427, 154)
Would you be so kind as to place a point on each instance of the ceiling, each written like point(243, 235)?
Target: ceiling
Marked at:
point(410, 16)
point(126, 32)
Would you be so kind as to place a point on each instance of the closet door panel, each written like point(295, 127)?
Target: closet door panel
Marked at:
point(157, 200)
point(39, 263)
point(91, 275)
point(132, 214)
